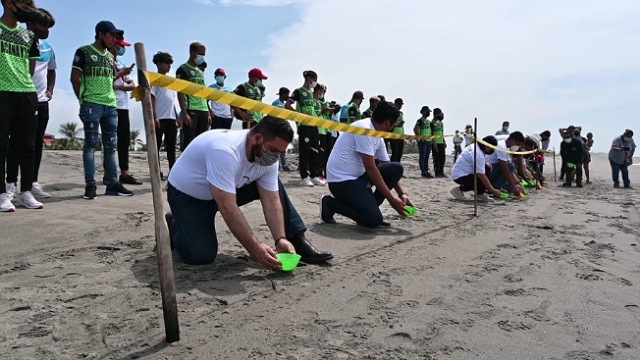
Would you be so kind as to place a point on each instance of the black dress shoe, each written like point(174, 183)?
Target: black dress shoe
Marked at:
point(325, 212)
point(308, 252)
point(168, 217)
point(385, 224)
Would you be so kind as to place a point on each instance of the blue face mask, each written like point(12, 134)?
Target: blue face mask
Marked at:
point(220, 80)
point(122, 51)
point(199, 60)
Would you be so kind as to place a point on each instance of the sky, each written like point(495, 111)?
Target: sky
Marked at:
point(539, 64)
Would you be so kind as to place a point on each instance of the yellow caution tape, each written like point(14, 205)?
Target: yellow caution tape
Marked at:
point(201, 91)
point(480, 141)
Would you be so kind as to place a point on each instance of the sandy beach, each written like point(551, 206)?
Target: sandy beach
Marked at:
point(556, 276)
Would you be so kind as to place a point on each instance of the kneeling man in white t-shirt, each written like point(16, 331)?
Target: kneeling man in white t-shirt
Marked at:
point(222, 170)
point(352, 171)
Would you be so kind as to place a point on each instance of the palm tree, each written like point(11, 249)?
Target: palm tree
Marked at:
point(135, 140)
point(70, 132)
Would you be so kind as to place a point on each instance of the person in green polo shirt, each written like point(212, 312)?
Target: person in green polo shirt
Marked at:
point(195, 111)
point(351, 111)
point(308, 137)
point(92, 78)
point(18, 98)
point(439, 145)
point(423, 128)
point(397, 146)
point(254, 90)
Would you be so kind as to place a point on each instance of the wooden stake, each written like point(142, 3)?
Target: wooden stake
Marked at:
point(555, 174)
point(163, 243)
point(475, 172)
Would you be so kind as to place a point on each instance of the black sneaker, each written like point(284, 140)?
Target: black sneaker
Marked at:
point(89, 192)
point(118, 190)
point(129, 180)
point(325, 212)
point(579, 185)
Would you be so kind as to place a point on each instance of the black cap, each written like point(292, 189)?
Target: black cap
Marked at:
point(358, 95)
point(399, 101)
point(424, 108)
point(382, 98)
point(105, 26)
point(309, 73)
point(283, 90)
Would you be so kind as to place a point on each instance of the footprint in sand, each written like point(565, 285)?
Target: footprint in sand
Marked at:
point(510, 326)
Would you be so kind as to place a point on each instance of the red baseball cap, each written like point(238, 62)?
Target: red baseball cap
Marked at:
point(255, 72)
point(121, 42)
point(220, 71)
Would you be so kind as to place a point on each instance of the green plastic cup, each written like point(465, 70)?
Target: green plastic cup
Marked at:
point(532, 183)
point(571, 165)
point(409, 210)
point(524, 183)
point(504, 196)
point(525, 191)
point(288, 261)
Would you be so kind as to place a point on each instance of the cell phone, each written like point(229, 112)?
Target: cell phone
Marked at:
point(132, 66)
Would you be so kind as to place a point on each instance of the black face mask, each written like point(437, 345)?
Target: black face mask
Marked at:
point(41, 34)
point(22, 15)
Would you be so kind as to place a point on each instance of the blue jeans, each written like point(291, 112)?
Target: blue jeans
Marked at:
point(194, 227)
point(616, 169)
point(424, 150)
point(106, 118)
point(497, 178)
point(355, 200)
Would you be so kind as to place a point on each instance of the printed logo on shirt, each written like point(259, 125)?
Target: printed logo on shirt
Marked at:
point(94, 57)
point(193, 73)
point(26, 37)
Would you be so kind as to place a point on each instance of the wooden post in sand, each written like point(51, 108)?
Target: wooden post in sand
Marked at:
point(475, 172)
point(555, 174)
point(163, 243)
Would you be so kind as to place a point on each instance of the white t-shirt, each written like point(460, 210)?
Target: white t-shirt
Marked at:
point(468, 139)
point(345, 162)
point(219, 158)
point(122, 97)
point(464, 165)
point(165, 103)
point(44, 64)
point(498, 156)
point(220, 109)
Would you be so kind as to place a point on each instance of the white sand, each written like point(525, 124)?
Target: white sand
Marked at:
point(554, 277)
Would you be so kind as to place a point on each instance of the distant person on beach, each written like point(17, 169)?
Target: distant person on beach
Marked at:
point(468, 135)
point(439, 144)
point(462, 172)
point(352, 172)
point(587, 156)
point(502, 168)
point(504, 130)
point(397, 145)
point(221, 171)
point(572, 152)
point(254, 90)
point(620, 157)
point(165, 116)
point(222, 113)
point(44, 79)
point(373, 102)
point(122, 87)
point(195, 111)
point(351, 111)
point(565, 133)
point(283, 97)
point(92, 78)
point(457, 145)
point(18, 99)
point(423, 128)
point(308, 136)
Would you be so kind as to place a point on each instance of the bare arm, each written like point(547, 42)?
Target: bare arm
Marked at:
point(239, 227)
point(32, 66)
point(274, 215)
point(376, 179)
point(51, 81)
point(76, 82)
point(504, 166)
point(289, 106)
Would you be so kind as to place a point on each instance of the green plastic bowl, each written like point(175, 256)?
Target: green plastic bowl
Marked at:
point(525, 191)
point(504, 196)
point(409, 210)
point(288, 261)
point(524, 183)
point(571, 165)
point(532, 182)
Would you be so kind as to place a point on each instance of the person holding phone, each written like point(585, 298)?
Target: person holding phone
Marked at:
point(620, 157)
point(122, 86)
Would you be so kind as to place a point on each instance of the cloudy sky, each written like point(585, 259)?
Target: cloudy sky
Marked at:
point(538, 64)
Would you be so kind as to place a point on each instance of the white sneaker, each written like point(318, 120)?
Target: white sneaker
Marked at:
point(318, 181)
point(306, 182)
point(5, 203)
point(27, 200)
point(485, 198)
point(11, 190)
point(458, 193)
point(36, 190)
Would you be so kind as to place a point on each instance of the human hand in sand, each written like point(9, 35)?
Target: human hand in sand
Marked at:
point(265, 255)
point(406, 200)
point(399, 205)
point(285, 246)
